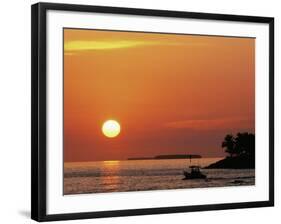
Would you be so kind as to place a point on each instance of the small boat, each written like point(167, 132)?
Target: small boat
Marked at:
point(194, 173)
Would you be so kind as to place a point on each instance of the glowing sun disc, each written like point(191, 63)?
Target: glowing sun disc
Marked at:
point(111, 128)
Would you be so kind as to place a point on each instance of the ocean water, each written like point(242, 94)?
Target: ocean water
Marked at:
point(141, 175)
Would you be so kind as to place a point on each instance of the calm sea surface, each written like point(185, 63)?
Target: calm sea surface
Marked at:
point(140, 175)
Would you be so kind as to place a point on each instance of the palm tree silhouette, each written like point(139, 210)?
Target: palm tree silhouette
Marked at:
point(242, 144)
point(229, 144)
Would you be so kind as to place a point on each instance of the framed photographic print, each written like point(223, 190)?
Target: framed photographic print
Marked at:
point(140, 111)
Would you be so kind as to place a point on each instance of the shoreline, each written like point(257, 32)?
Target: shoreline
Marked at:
point(131, 160)
point(239, 162)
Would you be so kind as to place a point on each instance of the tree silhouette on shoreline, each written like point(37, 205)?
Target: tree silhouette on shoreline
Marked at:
point(243, 144)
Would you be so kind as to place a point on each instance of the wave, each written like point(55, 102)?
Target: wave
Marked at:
point(155, 173)
point(231, 177)
point(123, 173)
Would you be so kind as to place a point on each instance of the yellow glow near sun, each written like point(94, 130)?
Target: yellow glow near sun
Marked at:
point(111, 128)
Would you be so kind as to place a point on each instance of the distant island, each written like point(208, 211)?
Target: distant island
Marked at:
point(241, 150)
point(175, 156)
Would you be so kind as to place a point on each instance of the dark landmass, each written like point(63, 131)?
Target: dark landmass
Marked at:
point(176, 156)
point(239, 162)
point(241, 150)
point(140, 158)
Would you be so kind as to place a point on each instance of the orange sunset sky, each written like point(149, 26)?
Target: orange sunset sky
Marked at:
point(171, 94)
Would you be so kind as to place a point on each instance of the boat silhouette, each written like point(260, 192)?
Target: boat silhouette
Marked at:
point(194, 173)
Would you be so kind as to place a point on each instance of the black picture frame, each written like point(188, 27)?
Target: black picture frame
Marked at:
point(38, 108)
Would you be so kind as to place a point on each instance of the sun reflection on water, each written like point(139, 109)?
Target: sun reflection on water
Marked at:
point(111, 162)
point(111, 182)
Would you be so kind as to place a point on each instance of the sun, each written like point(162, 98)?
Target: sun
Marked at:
point(111, 128)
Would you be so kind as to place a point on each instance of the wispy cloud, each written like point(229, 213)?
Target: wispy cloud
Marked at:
point(89, 45)
point(101, 45)
point(212, 124)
